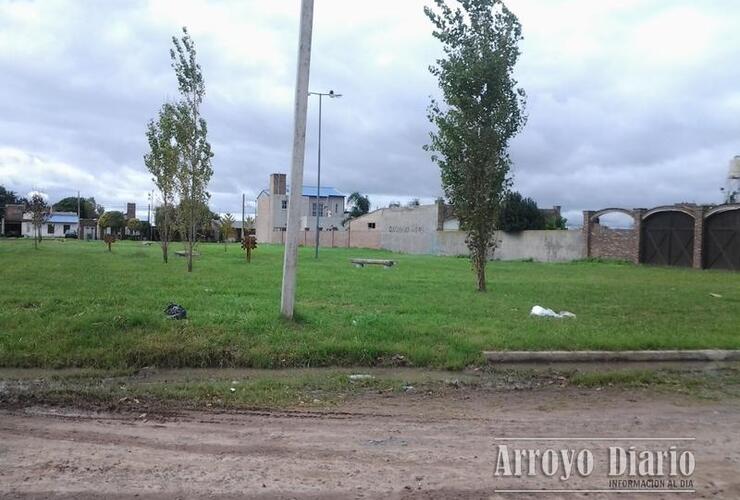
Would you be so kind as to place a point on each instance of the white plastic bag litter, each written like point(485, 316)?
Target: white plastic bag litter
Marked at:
point(543, 312)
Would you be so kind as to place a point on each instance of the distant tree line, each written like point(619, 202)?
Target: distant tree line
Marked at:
point(89, 209)
point(8, 197)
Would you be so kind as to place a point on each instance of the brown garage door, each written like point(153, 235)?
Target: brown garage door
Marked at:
point(668, 239)
point(722, 240)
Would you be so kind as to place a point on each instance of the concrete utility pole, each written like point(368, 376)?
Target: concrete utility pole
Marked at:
point(290, 258)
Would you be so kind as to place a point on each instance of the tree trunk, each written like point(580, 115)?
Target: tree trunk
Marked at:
point(479, 263)
point(479, 258)
point(191, 238)
point(163, 235)
point(190, 257)
point(193, 164)
point(481, 277)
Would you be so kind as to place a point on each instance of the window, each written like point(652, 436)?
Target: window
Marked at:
point(371, 225)
point(321, 210)
point(336, 208)
point(284, 204)
point(66, 228)
point(50, 229)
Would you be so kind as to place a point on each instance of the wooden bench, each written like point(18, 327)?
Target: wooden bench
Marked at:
point(183, 253)
point(387, 264)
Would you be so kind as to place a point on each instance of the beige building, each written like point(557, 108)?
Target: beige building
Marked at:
point(272, 209)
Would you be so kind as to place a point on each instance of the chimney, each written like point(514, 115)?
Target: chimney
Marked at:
point(277, 184)
point(130, 210)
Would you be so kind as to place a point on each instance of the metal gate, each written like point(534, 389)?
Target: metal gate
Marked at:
point(722, 240)
point(668, 239)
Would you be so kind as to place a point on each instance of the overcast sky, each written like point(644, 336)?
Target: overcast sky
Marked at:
point(631, 103)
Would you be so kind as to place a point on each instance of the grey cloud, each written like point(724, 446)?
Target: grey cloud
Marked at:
point(604, 129)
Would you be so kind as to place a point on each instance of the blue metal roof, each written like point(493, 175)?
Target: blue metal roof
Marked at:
point(63, 219)
point(325, 191)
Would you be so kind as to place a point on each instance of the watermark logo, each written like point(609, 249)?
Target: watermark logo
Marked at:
point(595, 465)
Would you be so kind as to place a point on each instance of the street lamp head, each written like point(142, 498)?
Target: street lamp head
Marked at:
point(328, 94)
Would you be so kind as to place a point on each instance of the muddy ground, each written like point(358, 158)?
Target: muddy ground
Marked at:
point(389, 444)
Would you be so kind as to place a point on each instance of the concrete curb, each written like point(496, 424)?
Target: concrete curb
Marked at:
point(590, 356)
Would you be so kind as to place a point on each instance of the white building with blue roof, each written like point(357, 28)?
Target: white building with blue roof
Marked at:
point(272, 209)
point(57, 225)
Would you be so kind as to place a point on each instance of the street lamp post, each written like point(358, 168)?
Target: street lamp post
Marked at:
point(331, 95)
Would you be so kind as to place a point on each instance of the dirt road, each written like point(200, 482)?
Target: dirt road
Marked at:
point(397, 446)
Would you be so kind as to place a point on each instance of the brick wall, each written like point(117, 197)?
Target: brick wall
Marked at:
point(625, 244)
point(699, 237)
point(608, 243)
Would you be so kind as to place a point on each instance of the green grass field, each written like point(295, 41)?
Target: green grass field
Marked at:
point(74, 304)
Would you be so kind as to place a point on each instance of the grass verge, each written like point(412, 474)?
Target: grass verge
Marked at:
point(74, 304)
point(327, 388)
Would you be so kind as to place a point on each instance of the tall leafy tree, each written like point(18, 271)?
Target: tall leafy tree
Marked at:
point(145, 228)
point(482, 110)
point(227, 228)
point(99, 209)
point(88, 208)
point(202, 222)
point(360, 205)
point(113, 220)
point(133, 225)
point(194, 170)
point(39, 210)
point(519, 214)
point(163, 162)
point(8, 197)
point(160, 214)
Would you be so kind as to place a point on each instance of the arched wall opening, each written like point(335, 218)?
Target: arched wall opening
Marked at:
point(612, 234)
